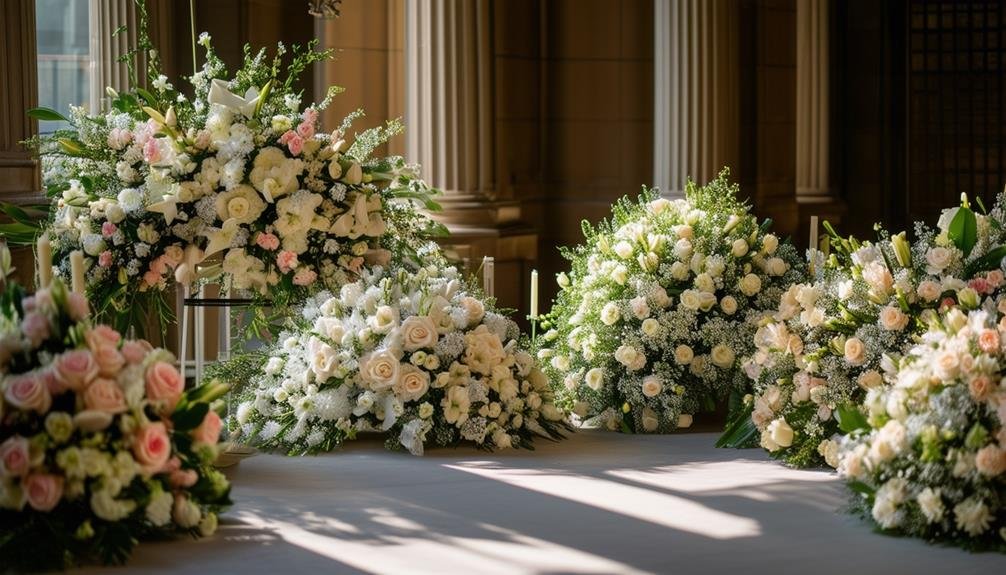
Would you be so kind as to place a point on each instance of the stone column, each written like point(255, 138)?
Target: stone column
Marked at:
point(696, 105)
point(107, 16)
point(450, 112)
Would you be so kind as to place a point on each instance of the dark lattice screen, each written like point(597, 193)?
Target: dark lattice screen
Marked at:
point(957, 102)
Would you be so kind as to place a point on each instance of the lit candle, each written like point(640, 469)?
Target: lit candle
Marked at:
point(77, 271)
point(534, 294)
point(489, 275)
point(44, 261)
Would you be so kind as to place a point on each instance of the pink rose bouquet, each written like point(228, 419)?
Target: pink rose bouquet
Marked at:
point(99, 440)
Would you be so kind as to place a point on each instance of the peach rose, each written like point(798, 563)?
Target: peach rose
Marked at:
point(418, 332)
point(413, 383)
point(183, 478)
point(988, 341)
point(76, 368)
point(164, 384)
point(109, 360)
point(855, 351)
point(134, 351)
point(15, 457)
point(209, 430)
point(105, 395)
point(28, 392)
point(43, 491)
point(151, 447)
point(102, 334)
point(980, 387)
point(990, 461)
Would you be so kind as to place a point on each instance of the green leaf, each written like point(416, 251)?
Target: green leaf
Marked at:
point(850, 419)
point(47, 114)
point(150, 98)
point(963, 230)
point(990, 261)
point(861, 488)
point(19, 234)
point(739, 434)
point(191, 417)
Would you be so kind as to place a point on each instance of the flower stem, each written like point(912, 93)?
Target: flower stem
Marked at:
point(192, 23)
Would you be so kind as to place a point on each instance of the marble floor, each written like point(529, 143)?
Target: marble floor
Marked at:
point(597, 503)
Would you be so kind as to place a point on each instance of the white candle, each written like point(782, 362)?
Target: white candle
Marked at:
point(534, 293)
point(489, 275)
point(813, 242)
point(77, 272)
point(43, 259)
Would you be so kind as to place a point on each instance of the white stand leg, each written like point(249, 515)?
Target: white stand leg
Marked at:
point(183, 330)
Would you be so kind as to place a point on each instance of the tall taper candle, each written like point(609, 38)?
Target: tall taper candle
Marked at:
point(534, 293)
point(77, 271)
point(813, 233)
point(43, 259)
point(489, 275)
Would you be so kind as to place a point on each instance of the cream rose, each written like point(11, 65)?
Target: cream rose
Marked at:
point(650, 420)
point(776, 267)
point(722, 356)
point(474, 309)
point(690, 299)
point(380, 369)
point(769, 243)
point(938, 259)
point(652, 386)
point(650, 326)
point(739, 248)
point(413, 383)
point(750, 285)
point(781, 433)
point(418, 332)
point(595, 378)
point(929, 290)
point(870, 379)
point(623, 249)
point(385, 319)
point(729, 305)
point(855, 351)
point(683, 354)
point(610, 313)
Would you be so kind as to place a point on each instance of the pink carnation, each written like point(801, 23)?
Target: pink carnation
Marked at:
point(105, 259)
point(295, 145)
point(286, 260)
point(305, 130)
point(304, 277)
point(267, 241)
point(152, 151)
point(108, 229)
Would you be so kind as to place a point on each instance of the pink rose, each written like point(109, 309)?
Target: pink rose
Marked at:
point(209, 430)
point(164, 384)
point(134, 351)
point(105, 395)
point(267, 241)
point(109, 360)
point(101, 335)
point(76, 368)
point(980, 285)
point(77, 306)
point(994, 277)
point(286, 260)
point(151, 278)
point(15, 457)
point(108, 229)
point(152, 151)
point(152, 447)
point(105, 259)
point(43, 491)
point(295, 145)
point(304, 277)
point(28, 392)
point(52, 381)
point(183, 478)
point(35, 327)
point(305, 130)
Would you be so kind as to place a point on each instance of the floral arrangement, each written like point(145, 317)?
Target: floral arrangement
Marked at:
point(237, 181)
point(659, 306)
point(412, 353)
point(930, 458)
point(836, 337)
point(99, 442)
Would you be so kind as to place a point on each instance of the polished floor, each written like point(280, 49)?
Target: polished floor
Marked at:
point(597, 503)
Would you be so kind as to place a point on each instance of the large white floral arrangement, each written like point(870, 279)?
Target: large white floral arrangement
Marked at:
point(99, 442)
point(930, 458)
point(659, 306)
point(833, 338)
point(411, 353)
point(239, 173)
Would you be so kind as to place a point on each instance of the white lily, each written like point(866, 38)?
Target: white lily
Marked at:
point(220, 238)
point(220, 94)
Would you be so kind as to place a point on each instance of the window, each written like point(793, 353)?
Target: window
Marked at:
point(64, 56)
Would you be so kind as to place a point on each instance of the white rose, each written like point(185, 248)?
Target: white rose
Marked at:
point(658, 205)
point(652, 386)
point(560, 362)
point(829, 450)
point(474, 309)
point(870, 379)
point(418, 332)
point(623, 249)
point(683, 354)
point(620, 274)
point(855, 351)
point(639, 307)
point(776, 267)
point(938, 259)
point(679, 271)
point(929, 290)
point(384, 319)
point(722, 356)
point(186, 513)
point(690, 299)
point(704, 282)
point(780, 432)
point(683, 249)
point(626, 355)
point(650, 326)
point(610, 313)
point(893, 319)
point(729, 305)
point(750, 285)
point(739, 248)
point(685, 420)
point(595, 378)
point(684, 231)
point(769, 243)
point(380, 369)
point(650, 420)
point(707, 301)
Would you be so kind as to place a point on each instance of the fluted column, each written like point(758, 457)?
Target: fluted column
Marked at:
point(450, 110)
point(107, 16)
point(19, 70)
point(696, 115)
point(812, 106)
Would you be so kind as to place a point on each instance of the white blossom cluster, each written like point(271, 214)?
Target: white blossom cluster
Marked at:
point(660, 304)
point(410, 353)
point(931, 459)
